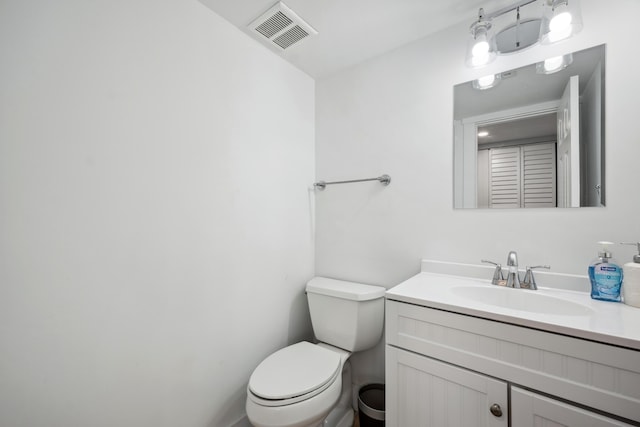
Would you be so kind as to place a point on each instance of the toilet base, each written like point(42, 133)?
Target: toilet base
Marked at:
point(342, 415)
point(348, 416)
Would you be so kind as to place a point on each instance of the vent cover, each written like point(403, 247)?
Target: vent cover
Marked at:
point(281, 27)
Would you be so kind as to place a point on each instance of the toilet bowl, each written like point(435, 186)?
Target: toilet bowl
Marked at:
point(309, 385)
point(296, 386)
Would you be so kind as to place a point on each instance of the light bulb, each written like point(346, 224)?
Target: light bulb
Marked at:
point(561, 20)
point(483, 133)
point(552, 64)
point(556, 36)
point(486, 80)
point(478, 61)
point(481, 48)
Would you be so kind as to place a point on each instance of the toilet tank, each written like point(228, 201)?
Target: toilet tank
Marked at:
point(346, 314)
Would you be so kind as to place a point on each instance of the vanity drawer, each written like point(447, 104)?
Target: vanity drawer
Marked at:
point(597, 375)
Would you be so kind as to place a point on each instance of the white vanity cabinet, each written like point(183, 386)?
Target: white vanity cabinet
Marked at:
point(427, 392)
point(445, 369)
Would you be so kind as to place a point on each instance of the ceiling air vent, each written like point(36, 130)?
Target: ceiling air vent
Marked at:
point(281, 27)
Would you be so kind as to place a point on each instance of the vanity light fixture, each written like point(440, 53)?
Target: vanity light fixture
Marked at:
point(483, 133)
point(554, 64)
point(560, 20)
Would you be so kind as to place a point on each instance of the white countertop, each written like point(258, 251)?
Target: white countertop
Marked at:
point(601, 321)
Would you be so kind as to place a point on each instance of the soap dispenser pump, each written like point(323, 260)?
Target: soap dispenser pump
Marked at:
point(605, 275)
point(631, 283)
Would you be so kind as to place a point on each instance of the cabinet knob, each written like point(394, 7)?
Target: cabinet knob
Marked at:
point(496, 410)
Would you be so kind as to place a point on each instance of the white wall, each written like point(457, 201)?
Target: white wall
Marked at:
point(155, 223)
point(394, 115)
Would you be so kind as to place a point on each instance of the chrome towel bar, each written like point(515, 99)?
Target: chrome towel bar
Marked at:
point(384, 180)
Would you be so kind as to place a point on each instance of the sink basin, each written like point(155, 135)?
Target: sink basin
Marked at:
point(521, 300)
point(555, 309)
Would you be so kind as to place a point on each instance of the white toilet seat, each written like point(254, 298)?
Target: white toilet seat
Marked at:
point(286, 377)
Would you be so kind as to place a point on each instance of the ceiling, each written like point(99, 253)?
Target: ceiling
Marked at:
point(352, 31)
point(517, 130)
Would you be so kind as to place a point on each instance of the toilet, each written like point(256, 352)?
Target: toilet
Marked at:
point(309, 385)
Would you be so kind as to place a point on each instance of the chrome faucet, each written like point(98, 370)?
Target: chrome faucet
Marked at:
point(529, 282)
point(498, 277)
point(513, 278)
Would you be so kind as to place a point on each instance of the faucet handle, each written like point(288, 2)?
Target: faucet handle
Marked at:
point(529, 282)
point(498, 277)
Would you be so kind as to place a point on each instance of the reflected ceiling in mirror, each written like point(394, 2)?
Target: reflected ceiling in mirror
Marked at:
point(533, 138)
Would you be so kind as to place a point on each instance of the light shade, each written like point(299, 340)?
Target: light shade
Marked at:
point(561, 19)
point(481, 47)
point(486, 82)
point(554, 64)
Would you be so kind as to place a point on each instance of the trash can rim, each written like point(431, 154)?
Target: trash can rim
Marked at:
point(365, 408)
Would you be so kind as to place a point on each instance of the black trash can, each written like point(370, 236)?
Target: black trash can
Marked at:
point(371, 405)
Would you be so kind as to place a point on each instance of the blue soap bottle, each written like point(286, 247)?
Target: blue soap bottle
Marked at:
point(605, 275)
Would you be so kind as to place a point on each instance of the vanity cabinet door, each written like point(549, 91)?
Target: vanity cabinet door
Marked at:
point(530, 409)
point(425, 392)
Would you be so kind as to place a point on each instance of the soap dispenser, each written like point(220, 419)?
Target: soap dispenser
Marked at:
point(605, 275)
point(631, 283)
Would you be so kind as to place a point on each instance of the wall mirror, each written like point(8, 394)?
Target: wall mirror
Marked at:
point(532, 137)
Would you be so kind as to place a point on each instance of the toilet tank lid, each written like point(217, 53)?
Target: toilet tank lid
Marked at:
point(343, 289)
